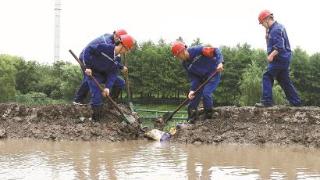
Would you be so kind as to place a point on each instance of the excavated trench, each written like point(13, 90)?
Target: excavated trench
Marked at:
point(243, 125)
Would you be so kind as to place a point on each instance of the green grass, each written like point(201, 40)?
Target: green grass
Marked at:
point(35, 98)
point(164, 107)
point(159, 107)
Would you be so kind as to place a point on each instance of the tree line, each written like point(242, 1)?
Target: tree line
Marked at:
point(155, 74)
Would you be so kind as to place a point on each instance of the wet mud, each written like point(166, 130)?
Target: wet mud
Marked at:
point(249, 125)
point(242, 125)
point(59, 122)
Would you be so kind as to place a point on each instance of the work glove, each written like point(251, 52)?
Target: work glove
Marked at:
point(220, 67)
point(124, 70)
point(88, 72)
point(106, 92)
point(191, 95)
point(272, 55)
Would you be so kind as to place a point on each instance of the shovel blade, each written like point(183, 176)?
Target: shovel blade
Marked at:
point(167, 116)
point(131, 106)
point(129, 119)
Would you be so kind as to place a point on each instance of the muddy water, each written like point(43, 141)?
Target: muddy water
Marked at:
point(30, 159)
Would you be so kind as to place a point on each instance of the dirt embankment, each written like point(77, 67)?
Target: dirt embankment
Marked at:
point(247, 125)
point(57, 122)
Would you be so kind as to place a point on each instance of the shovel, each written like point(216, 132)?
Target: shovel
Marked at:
point(127, 118)
point(126, 76)
point(168, 116)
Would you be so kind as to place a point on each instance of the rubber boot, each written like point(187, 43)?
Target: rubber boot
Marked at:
point(192, 115)
point(97, 113)
point(115, 93)
point(262, 105)
point(208, 113)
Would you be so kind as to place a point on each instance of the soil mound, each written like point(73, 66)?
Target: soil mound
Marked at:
point(243, 125)
point(57, 122)
point(247, 125)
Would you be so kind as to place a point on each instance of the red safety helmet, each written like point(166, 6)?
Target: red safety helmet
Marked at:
point(177, 47)
point(120, 32)
point(263, 15)
point(127, 41)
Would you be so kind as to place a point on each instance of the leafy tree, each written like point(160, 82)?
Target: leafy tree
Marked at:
point(27, 76)
point(155, 73)
point(235, 61)
point(312, 89)
point(71, 77)
point(7, 78)
point(300, 68)
point(250, 84)
point(196, 42)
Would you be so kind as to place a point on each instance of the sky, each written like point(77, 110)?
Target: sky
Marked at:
point(27, 26)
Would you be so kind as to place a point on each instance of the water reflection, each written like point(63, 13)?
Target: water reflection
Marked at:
point(28, 159)
point(252, 162)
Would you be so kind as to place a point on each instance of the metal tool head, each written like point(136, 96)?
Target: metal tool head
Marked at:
point(129, 119)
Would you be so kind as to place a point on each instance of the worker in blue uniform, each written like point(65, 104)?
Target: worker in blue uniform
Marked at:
point(279, 57)
point(101, 61)
point(119, 83)
point(200, 62)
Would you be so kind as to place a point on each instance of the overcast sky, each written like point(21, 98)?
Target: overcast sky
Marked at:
point(27, 26)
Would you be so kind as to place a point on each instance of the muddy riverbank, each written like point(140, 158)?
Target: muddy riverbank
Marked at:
point(58, 122)
point(243, 125)
point(250, 125)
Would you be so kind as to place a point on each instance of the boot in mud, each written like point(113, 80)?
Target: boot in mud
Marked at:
point(97, 113)
point(263, 105)
point(115, 93)
point(208, 113)
point(192, 115)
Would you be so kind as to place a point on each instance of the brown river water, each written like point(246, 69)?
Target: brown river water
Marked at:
point(34, 159)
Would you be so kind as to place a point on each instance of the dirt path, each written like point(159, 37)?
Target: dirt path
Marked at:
point(247, 125)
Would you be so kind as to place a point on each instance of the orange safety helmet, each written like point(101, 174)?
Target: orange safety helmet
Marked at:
point(127, 41)
point(177, 47)
point(263, 15)
point(120, 32)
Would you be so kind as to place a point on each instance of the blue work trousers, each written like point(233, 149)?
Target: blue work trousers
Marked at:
point(206, 93)
point(282, 76)
point(84, 88)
